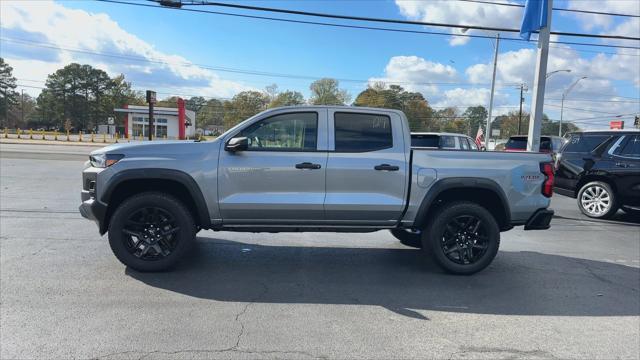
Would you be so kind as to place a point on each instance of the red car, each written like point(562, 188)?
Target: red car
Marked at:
point(548, 144)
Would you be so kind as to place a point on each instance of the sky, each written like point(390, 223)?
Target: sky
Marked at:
point(186, 53)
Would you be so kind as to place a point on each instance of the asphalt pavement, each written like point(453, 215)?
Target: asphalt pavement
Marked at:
point(570, 292)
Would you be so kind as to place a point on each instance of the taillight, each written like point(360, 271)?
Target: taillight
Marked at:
point(547, 186)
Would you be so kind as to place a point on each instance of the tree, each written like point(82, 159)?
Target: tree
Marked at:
point(244, 105)
point(509, 125)
point(78, 93)
point(24, 112)
point(287, 98)
point(476, 117)
point(414, 105)
point(211, 113)
point(7, 88)
point(445, 118)
point(326, 92)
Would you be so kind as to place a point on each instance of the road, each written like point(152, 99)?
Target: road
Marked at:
point(570, 292)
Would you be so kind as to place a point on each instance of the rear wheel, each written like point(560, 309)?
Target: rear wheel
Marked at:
point(463, 238)
point(411, 238)
point(151, 231)
point(597, 200)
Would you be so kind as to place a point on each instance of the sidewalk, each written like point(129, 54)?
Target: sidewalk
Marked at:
point(56, 142)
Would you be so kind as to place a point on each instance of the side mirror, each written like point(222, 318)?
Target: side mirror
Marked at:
point(237, 144)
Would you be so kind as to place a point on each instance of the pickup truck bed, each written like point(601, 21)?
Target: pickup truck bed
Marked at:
point(314, 168)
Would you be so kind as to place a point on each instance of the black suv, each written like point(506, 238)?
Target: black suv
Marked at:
point(602, 170)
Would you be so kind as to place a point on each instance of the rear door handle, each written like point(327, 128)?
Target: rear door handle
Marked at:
point(622, 165)
point(308, 165)
point(387, 167)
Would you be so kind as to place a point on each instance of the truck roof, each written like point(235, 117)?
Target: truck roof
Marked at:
point(337, 107)
point(440, 134)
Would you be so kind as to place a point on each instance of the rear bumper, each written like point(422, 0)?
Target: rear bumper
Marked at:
point(540, 220)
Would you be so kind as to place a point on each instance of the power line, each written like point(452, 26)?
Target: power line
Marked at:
point(555, 8)
point(227, 69)
point(393, 21)
point(356, 26)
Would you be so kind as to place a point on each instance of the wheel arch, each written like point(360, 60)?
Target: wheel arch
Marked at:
point(173, 182)
point(484, 192)
point(590, 177)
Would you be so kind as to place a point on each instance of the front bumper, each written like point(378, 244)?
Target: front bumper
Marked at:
point(93, 210)
point(540, 220)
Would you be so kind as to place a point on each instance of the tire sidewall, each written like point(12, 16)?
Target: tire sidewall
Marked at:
point(436, 227)
point(614, 205)
point(186, 234)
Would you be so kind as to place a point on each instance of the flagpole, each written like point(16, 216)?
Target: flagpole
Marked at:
point(539, 82)
point(493, 87)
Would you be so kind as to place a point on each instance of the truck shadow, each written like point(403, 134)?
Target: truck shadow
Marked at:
point(401, 280)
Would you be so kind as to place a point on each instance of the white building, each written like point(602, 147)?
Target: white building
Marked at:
point(169, 123)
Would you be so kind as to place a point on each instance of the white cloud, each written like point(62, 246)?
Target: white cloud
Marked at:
point(417, 74)
point(53, 24)
point(461, 97)
point(605, 22)
point(519, 66)
point(463, 13)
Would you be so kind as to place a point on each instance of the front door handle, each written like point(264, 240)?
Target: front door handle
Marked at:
point(622, 165)
point(387, 167)
point(308, 165)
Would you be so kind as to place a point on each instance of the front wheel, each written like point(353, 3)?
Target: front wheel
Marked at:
point(597, 200)
point(463, 238)
point(151, 231)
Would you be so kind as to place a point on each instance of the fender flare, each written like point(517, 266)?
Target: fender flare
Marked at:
point(461, 182)
point(161, 174)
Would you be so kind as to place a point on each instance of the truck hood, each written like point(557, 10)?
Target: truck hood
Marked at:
point(159, 149)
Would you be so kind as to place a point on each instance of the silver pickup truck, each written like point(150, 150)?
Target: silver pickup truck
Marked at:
point(314, 168)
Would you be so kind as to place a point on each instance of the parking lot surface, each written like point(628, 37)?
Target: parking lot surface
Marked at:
point(570, 292)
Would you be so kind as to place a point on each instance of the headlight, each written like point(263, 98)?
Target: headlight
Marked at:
point(104, 160)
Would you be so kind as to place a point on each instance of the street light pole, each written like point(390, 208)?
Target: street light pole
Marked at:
point(564, 95)
point(493, 86)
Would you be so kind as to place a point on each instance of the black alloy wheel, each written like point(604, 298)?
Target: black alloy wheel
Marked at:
point(462, 237)
point(465, 239)
point(150, 233)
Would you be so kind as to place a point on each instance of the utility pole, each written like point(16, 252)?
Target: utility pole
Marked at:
point(22, 106)
point(520, 113)
point(151, 99)
point(493, 87)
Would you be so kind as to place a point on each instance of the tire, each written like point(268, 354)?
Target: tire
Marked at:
point(456, 243)
point(408, 238)
point(597, 200)
point(151, 231)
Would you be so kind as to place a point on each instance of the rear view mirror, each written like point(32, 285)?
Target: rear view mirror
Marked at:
point(237, 144)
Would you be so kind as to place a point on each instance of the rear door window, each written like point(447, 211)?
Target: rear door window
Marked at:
point(448, 142)
point(463, 143)
point(545, 144)
point(631, 148)
point(356, 132)
point(584, 143)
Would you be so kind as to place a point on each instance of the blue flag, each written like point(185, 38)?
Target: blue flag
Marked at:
point(535, 17)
